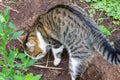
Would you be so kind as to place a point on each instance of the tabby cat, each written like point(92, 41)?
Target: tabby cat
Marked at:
point(68, 26)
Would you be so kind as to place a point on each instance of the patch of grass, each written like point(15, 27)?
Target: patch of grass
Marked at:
point(110, 7)
point(11, 69)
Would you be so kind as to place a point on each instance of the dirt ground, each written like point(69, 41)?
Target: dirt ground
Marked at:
point(24, 12)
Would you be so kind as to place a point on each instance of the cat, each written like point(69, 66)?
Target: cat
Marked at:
point(68, 26)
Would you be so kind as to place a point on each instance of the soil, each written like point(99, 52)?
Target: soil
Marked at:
point(28, 10)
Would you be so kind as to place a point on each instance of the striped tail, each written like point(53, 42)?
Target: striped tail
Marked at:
point(112, 55)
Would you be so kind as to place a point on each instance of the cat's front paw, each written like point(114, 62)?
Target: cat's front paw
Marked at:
point(57, 62)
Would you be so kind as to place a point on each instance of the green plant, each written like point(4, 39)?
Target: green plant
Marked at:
point(91, 12)
point(12, 69)
point(110, 7)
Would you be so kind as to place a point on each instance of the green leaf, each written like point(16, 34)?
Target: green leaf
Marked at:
point(7, 17)
point(32, 77)
point(11, 57)
point(6, 11)
point(17, 77)
point(30, 62)
point(7, 71)
point(37, 77)
point(11, 25)
point(21, 56)
point(88, 0)
point(1, 27)
point(17, 72)
point(116, 22)
point(18, 65)
point(17, 34)
point(1, 76)
point(104, 30)
point(13, 53)
point(91, 12)
point(29, 76)
point(2, 19)
point(1, 63)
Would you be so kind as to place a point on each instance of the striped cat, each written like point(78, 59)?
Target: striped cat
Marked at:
point(68, 26)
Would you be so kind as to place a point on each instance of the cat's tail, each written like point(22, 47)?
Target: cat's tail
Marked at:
point(111, 54)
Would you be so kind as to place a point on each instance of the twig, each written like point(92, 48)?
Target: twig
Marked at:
point(39, 63)
point(9, 7)
point(47, 60)
point(101, 13)
point(115, 30)
point(46, 67)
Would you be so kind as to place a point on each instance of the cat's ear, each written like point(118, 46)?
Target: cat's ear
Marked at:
point(22, 38)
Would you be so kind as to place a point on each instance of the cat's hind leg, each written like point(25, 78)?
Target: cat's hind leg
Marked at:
point(76, 67)
point(57, 55)
point(78, 63)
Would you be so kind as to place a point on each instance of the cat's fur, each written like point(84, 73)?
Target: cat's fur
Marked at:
point(69, 27)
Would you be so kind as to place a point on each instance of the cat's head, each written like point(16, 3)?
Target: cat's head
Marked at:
point(31, 46)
